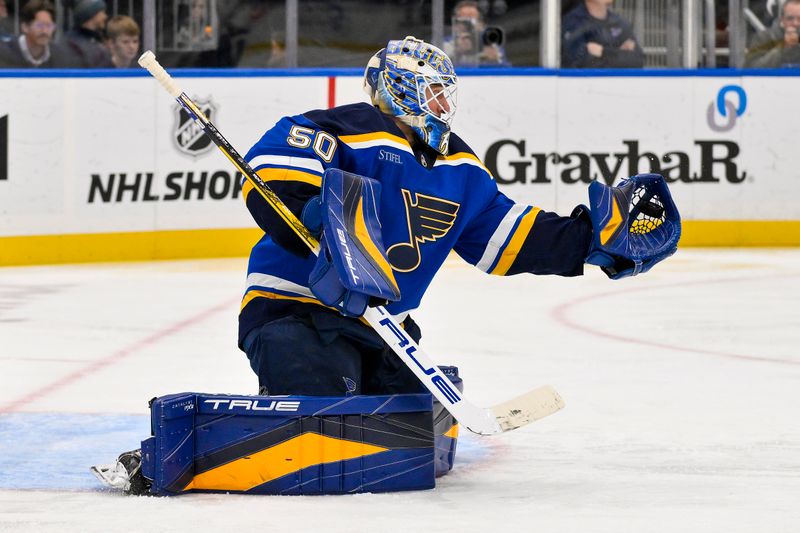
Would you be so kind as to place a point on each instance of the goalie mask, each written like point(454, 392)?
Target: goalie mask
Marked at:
point(415, 82)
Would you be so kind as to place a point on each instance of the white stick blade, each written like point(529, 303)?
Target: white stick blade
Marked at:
point(528, 408)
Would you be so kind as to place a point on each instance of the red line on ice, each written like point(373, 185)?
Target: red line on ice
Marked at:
point(116, 357)
point(560, 315)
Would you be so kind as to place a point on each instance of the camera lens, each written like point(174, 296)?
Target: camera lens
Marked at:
point(493, 35)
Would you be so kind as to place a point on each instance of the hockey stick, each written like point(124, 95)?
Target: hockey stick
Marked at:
point(510, 415)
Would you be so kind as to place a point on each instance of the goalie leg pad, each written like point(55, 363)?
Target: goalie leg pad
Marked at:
point(290, 444)
point(445, 427)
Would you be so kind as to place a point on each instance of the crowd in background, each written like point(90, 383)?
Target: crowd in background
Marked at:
point(93, 41)
point(251, 33)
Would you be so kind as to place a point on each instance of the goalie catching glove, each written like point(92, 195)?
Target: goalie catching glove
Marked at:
point(352, 270)
point(636, 225)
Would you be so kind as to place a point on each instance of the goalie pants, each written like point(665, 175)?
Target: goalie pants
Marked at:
point(322, 353)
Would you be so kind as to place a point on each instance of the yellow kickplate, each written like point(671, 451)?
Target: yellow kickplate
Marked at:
point(295, 454)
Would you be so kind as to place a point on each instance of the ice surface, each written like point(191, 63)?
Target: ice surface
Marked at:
point(682, 390)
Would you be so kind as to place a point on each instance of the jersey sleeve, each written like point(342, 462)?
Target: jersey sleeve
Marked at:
point(290, 158)
point(507, 238)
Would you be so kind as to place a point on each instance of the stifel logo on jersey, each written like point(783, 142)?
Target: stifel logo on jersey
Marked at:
point(428, 218)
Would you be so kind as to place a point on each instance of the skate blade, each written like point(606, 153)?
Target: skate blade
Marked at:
point(111, 476)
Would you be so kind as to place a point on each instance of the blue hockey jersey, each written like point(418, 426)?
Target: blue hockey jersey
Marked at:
point(430, 205)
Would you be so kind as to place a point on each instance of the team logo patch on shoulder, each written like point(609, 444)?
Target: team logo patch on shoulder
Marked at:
point(188, 135)
point(429, 218)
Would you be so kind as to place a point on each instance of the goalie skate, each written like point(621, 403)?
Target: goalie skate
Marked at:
point(125, 474)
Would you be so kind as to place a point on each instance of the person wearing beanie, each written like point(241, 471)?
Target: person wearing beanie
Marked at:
point(85, 39)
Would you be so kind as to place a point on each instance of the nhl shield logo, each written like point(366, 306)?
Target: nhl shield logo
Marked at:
point(188, 135)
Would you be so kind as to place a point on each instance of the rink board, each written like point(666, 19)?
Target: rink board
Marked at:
point(105, 167)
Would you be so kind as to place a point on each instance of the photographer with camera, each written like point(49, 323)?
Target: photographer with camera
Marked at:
point(779, 45)
point(593, 36)
point(472, 42)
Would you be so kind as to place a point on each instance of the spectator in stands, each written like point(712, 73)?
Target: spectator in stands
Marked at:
point(6, 24)
point(258, 43)
point(470, 43)
point(85, 39)
point(34, 48)
point(593, 36)
point(777, 46)
point(122, 40)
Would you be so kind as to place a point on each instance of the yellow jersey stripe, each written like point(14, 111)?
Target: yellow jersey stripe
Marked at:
point(461, 158)
point(285, 174)
point(251, 295)
point(459, 155)
point(247, 188)
point(376, 136)
point(515, 243)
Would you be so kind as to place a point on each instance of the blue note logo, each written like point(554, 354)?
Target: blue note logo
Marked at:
point(730, 104)
point(428, 218)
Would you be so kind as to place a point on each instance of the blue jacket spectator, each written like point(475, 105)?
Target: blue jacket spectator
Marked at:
point(593, 36)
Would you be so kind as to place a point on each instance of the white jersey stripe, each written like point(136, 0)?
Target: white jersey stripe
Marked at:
point(305, 163)
point(372, 143)
point(499, 237)
point(460, 161)
point(256, 279)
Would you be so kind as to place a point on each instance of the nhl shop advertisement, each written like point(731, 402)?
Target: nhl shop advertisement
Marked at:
point(103, 155)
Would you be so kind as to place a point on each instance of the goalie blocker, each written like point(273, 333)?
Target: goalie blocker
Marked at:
point(293, 444)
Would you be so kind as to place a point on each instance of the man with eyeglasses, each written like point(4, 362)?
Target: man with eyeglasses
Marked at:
point(778, 46)
point(34, 48)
